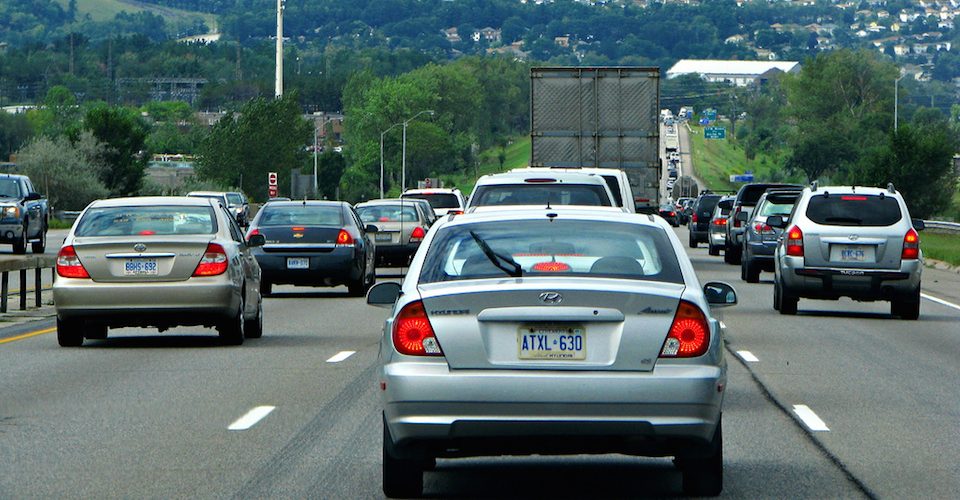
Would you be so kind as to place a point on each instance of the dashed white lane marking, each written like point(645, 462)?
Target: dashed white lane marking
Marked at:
point(809, 418)
point(340, 356)
point(747, 356)
point(940, 301)
point(723, 325)
point(251, 418)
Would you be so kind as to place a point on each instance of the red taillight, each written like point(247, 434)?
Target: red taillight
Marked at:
point(69, 265)
point(795, 242)
point(720, 222)
point(147, 232)
point(417, 234)
point(455, 212)
point(761, 228)
point(693, 218)
point(412, 333)
point(672, 214)
point(538, 180)
point(344, 239)
point(853, 198)
point(911, 245)
point(253, 232)
point(213, 263)
point(297, 228)
point(551, 267)
point(736, 223)
point(689, 334)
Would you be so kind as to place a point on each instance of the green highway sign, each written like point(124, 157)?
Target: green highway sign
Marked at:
point(714, 133)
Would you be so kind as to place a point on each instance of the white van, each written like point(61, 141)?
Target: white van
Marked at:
point(615, 178)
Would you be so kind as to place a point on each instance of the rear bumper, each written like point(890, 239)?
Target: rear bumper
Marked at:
point(396, 252)
point(337, 267)
point(858, 284)
point(717, 239)
point(430, 409)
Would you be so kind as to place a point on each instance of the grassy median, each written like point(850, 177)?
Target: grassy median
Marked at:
point(941, 246)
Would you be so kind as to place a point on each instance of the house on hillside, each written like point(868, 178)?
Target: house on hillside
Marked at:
point(739, 73)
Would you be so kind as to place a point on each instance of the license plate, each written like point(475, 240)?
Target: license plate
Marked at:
point(298, 263)
point(384, 237)
point(559, 343)
point(140, 267)
point(852, 253)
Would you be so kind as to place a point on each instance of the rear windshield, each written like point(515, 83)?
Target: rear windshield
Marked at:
point(540, 194)
point(234, 199)
point(752, 193)
point(437, 200)
point(387, 213)
point(853, 210)
point(551, 248)
point(776, 207)
point(708, 203)
point(146, 221)
point(306, 215)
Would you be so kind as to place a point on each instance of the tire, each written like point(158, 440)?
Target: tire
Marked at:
point(776, 295)
point(40, 245)
point(69, 332)
point(20, 246)
point(691, 241)
point(402, 477)
point(231, 331)
point(713, 250)
point(906, 306)
point(703, 477)
point(788, 301)
point(253, 329)
point(266, 288)
point(750, 270)
point(357, 288)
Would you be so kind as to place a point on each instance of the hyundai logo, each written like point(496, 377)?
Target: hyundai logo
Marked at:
point(551, 298)
point(853, 237)
point(140, 247)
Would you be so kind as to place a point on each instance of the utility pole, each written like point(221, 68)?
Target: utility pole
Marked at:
point(279, 77)
point(896, 101)
point(315, 141)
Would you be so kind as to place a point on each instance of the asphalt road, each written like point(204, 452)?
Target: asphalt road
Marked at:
point(146, 415)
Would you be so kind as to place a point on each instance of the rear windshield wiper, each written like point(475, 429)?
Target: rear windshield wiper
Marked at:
point(498, 260)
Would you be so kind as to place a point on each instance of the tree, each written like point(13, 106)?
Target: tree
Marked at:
point(266, 135)
point(330, 168)
point(124, 136)
point(71, 181)
point(15, 130)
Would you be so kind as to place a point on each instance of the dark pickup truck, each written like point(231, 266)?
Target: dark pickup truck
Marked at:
point(24, 214)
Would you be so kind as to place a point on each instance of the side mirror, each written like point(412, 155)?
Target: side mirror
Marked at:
point(742, 216)
point(918, 224)
point(370, 228)
point(32, 197)
point(384, 294)
point(776, 221)
point(719, 294)
point(256, 240)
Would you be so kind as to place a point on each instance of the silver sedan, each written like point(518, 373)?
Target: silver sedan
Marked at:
point(551, 332)
point(157, 262)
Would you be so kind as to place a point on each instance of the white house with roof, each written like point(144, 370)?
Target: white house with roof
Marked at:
point(740, 73)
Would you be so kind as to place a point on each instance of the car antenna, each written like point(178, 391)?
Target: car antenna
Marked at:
point(548, 201)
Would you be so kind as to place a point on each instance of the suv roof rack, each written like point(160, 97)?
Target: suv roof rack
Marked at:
point(891, 188)
point(813, 186)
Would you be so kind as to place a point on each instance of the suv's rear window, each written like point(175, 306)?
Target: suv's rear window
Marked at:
point(437, 200)
point(551, 248)
point(540, 194)
point(146, 221)
point(853, 210)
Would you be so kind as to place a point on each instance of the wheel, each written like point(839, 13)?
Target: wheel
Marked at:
point(749, 269)
point(776, 296)
point(20, 246)
point(40, 245)
point(703, 477)
point(69, 332)
point(713, 250)
point(254, 328)
point(266, 288)
point(691, 241)
point(402, 477)
point(788, 301)
point(231, 331)
point(906, 306)
point(357, 288)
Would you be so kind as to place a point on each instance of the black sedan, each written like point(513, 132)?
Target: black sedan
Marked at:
point(669, 212)
point(314, 243)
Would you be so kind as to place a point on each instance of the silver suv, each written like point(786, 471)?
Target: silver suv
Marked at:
point(849, 241)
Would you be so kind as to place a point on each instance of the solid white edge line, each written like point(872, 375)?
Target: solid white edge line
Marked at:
point(340, 356)
point(251, 418)
point(809, 418)
point(940, 301)
point(747, 356)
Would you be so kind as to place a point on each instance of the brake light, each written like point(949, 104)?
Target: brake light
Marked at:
point(551, 267)
point(736, 223)
point(795, 242)
point(672, 214)
point(693, 218)
point(344, 239)
point(539, 180)
point(412, 333)
point(213, 263)
point(911, 245)
point(761, 228)
point(689, 334)
point(455, 212)
point(147, 232)
point(720, 222)
point(417, 234)
point(297, 228)
point(853, 198)
point(69, 265)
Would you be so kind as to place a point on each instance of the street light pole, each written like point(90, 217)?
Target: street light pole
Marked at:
point(403, 169)
point(896, 99)
point(381, 156)
point(278, 83)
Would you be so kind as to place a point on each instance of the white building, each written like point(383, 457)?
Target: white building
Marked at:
point(739, 73)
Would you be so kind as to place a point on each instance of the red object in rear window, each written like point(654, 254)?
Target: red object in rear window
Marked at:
point(853, 198)
point(551, 267)
point(538, 179)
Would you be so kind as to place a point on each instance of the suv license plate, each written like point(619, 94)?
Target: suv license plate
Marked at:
point(560, 343)
point(298, 263)
point(140, 267)
point(851, 253)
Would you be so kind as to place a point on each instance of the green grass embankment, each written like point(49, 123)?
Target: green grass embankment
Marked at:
point(941, 246)
point(714, 161)
point(517, 156)
point(105, 10)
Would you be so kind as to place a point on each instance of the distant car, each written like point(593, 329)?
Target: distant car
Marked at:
point(759, 239)
point(314, 243)
point(443, 200)
point(401, 226)
point(24, 214)
point(682, 205)
point(615, 178)
point(541, 189)
point(700, 215)
point(564, 331)
point(425, 205)
point(669, 213)
point(849, 241)
point(238, 205)
point(157, 262)
point(744, 201)
point(718, 225)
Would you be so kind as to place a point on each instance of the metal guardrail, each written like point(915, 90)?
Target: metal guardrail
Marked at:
point(948, 227)
point(37, 263)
